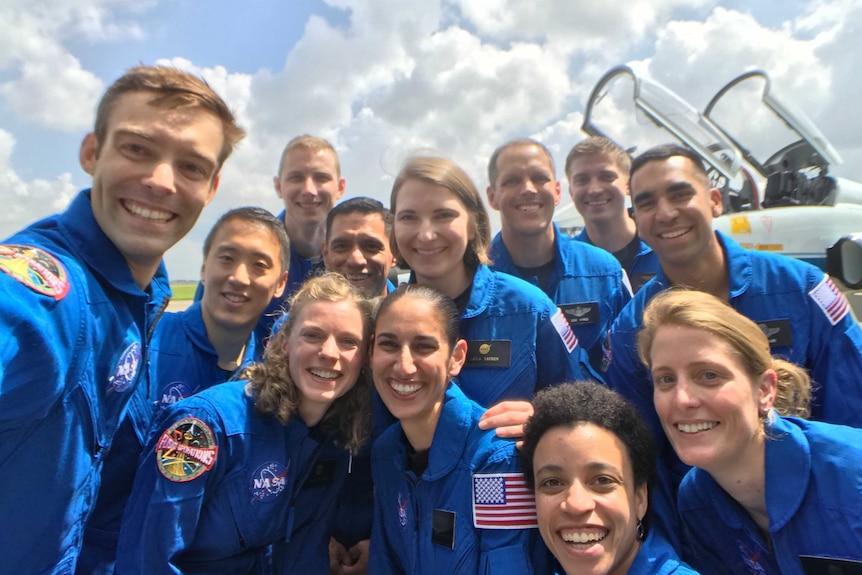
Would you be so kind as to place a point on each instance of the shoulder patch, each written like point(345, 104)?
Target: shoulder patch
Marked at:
point(35, 268)
point(831, 300)
point(564, 330)
point(186, 450)
point(503, 501)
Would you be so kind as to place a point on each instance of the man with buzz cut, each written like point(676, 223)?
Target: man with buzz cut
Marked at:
point(308, 183)
point(598, 174)
point(807, 318)
point(81, 294)
point(586, 282)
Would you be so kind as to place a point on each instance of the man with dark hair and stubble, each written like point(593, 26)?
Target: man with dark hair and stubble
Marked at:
point(357, 244)
point(807, 319)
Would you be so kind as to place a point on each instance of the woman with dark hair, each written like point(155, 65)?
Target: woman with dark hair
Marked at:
point(589, 458)
point(247, 465)
point(449, 497)
point(442, 233)
point(769, 492)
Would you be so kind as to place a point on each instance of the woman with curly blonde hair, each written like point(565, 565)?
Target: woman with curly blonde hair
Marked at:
point(769, 492)
point(251, 465)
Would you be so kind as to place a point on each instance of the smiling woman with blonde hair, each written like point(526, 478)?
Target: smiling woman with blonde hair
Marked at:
point(770, 492)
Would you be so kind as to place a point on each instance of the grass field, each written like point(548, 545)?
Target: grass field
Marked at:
point(183, 290)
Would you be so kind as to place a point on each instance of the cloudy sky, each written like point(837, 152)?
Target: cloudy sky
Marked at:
point(384, 78)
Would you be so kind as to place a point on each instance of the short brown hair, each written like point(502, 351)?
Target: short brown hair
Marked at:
point(446, 173)
point(599, 145)
point(171, 88)
point(311, 144)
point(493, 171)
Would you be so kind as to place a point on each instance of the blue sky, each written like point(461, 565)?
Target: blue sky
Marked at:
point(382, 78)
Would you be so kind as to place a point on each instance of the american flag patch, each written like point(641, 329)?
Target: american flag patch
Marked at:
point(503, 501)
point(831, 300)
point(564, 330)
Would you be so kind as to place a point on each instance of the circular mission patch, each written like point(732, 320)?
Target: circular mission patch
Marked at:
point(36, 269)
point(186, 450)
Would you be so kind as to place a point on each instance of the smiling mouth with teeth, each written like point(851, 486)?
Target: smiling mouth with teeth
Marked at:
point(146, 213)
point(584, 537)
point(405, 388)
point(673, 235)
point(696, 427)
point(323, 373)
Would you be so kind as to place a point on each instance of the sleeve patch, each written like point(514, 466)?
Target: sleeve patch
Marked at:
point(564, 330)
point(831, 300)
point(36, 269)
point(186, 450)
point(503, 501)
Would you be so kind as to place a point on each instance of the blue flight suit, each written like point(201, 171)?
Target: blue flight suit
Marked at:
point(426, 524)
point(73, 335)
point(777, 292)
point(643, 267)
point(219, 483)
point(587, 283)
point(300, 269)
point(813, 499)
point(182, 362)
point(658, 557)
point(525, 350)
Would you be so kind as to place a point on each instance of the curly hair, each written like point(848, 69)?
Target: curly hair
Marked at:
point(585, 402)
point(680, 306)
point(275, 393)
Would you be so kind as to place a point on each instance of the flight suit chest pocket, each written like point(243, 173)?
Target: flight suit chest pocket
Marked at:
point(260, 502)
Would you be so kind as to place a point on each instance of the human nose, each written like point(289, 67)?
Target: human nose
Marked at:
point(578, 499)
point(426, 230)
point(240, 274)
point(665, 210)
point(404, 365)
point(162, 177)
point(684, 394)
point(329, 348)
point(309, 186)
point(357, 258)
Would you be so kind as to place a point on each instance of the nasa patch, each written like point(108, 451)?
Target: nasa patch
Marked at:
point(173, 392)
point(36, 269)
point(126, 369)
point(186, 450)
point(268, 481)
point(751, 559)
point(403, 501)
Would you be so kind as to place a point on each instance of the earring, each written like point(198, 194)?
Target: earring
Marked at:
point(641, 533)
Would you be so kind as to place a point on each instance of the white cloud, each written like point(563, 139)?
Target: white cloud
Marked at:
point(457, 77)
point(20, 197)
